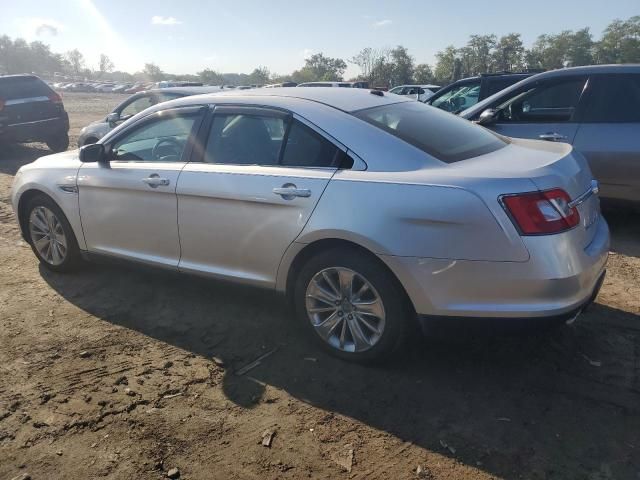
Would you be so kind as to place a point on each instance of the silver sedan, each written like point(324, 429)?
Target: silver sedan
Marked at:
point(366, 209)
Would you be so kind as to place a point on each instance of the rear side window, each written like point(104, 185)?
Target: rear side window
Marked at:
point(243, 139)
point(444, 136)
point(615, 99)
point(12, 88)
point(305, 148)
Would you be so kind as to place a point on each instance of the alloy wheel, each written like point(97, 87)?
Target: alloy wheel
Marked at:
point(47, 235)
point(345, 309)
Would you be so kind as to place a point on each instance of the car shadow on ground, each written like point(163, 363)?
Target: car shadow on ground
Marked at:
point(624, 221)
point(535, 401)
point(13, 156)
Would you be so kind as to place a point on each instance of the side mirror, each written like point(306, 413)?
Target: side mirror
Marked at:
point(93, 153)
point(488, 116)
point(113, 118)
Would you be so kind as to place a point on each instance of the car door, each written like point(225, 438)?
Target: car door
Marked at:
point(128, 207)
point(260, 176)
point(545, 110)
point(609, 134)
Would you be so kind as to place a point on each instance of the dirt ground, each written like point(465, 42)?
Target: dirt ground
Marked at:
point(122, 373)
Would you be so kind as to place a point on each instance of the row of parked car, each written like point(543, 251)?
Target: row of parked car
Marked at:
point(111, 87)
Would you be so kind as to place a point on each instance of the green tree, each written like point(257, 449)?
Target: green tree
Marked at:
point(75, 60)
point(260, 76)
point(479, 54)
point(508, 54)
point(152, 72)
point(401, 66)
point(211, 77)
point(445, 64)
point(620, 42)
point(105, 65)
point(320, 68)
point(422, 74)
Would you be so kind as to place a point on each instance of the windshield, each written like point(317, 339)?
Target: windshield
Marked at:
point(458, 98)
point(442, 135)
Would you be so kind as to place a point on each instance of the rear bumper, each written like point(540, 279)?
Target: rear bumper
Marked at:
point(557, 281)
point(34, 131)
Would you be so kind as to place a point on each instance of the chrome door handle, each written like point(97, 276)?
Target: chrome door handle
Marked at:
point(289, 191)
point(552, 137)
point(154, 181)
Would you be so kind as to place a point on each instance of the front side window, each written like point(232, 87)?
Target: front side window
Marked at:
point(247, 139)
point(396, 90)
point(458, 98)
point(137, 106)
point(543, 102)
point(161, 140)
point(614, 99)
point(446, 137)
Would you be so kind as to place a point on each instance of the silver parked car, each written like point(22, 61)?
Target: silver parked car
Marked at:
point(422, 93)
point(133, 105)
point(595, 108)
point(364, 208)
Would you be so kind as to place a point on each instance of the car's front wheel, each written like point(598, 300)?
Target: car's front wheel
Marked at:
point(51, 236)
point(59, 143)
point(351, 304)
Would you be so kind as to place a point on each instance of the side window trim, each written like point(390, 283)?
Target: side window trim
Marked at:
point(197, 110)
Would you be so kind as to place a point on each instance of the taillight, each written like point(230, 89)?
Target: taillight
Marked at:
point(55, 98)
point(541, 213)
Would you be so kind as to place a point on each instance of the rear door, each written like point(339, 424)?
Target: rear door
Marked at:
point(609, 135)
point(260, 176)
point(543, 110)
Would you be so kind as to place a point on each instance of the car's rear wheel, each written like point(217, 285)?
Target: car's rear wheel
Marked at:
point(51, 236)
point(351, 304)
point(59, 143)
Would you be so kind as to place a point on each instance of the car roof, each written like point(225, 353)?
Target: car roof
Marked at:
point(19, 75)
point(345, 99)
point(561, 72)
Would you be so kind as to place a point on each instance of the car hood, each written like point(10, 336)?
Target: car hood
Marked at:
point(68, 159)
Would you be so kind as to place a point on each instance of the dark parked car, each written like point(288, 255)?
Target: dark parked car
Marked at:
point(135, 104)
point(30, 111)
point(465, 93)
point(596, 109)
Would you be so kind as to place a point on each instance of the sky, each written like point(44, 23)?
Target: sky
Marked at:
point(186, 36)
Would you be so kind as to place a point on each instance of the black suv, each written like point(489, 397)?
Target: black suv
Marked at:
point(30, 111)
point(465, 93)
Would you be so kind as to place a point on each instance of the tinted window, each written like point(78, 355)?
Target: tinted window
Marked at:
point(458, 98)
point(498, 84)
point(554, 101)
point(305, 148)
point(446, 137)
point(242, 139)
point(615, 98)
point(12, 88)
point(137, 106)
point(162, 140)
point(245, 139)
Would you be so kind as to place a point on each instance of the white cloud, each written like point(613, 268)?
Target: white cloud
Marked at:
point(160, 20)
point(381, 23)
point(39, 27)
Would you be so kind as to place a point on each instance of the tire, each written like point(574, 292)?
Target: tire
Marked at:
point(362, 268)
point(68, 259)
point(59, 143)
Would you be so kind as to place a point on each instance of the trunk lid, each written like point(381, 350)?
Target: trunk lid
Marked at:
point(547, 165)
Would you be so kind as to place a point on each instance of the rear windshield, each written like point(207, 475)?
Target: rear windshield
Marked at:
point(12, 88)
point(443, 135)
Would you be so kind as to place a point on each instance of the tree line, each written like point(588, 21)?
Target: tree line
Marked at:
point(385, 67)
